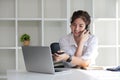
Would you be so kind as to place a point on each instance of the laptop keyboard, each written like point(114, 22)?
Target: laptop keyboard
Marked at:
point(61, 69)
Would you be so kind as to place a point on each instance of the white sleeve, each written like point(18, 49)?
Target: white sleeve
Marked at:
point(91, 50)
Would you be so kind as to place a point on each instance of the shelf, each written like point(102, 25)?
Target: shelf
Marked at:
point(119, 32)
point(31, 10)
point(105, 56)
point(56, 29)
point(7, 60)
point(105, 19)
point(29, 19)
point(7, 9)
point(55, 8)
point(21, 64)
point(118, 8)
point(7, 28)
point(3, 77)
point(55, 19)
point(119, 55)
point(104, 10)
point(81, 5)
point(33, 28)
point(106, 32)
point(6, 19)
point(7, 47)
point(107, 46)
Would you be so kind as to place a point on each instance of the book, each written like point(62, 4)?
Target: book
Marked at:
point(94, 68)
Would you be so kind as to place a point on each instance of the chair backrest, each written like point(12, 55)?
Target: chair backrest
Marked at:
point(54, 47)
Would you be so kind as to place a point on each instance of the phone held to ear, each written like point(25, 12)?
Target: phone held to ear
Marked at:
point(87, 29)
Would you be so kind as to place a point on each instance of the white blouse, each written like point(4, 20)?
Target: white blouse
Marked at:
point(67, 44)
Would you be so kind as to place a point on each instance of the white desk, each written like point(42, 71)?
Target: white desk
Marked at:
point(73, 74)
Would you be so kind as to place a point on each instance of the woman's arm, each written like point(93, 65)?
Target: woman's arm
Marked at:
point(74, 60)
point(80, 62)
point(80, 42)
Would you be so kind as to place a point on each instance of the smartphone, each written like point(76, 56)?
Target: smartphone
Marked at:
point(55, 47)
point(60, 53)
point(87, 28)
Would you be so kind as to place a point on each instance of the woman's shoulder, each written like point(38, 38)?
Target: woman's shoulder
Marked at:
point(92, 38)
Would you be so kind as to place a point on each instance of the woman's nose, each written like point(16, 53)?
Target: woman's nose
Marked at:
point(77, 28)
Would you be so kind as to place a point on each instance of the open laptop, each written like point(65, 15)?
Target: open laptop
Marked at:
point(39, 59)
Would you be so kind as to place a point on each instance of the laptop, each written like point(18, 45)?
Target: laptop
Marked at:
point(39, 59)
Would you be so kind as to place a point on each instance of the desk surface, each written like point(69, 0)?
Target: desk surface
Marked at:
point(73, 74)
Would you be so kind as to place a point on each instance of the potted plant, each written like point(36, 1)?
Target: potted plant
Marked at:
point(25, 38)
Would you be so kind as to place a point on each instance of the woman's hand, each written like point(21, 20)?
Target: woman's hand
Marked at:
point(84, 36)
point(60, 57)
point(80, 42)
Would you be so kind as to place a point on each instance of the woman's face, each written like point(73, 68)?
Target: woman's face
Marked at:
point(77, 27)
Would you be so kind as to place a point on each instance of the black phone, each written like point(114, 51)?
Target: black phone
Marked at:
point(87, 28)
point(55, 47)
point(60, 52)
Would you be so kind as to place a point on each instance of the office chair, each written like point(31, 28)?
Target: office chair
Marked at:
point(54, 48)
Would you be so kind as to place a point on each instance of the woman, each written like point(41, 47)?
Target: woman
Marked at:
point(79, 46)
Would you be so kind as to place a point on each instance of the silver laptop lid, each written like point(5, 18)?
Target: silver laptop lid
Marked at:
point(38, 59)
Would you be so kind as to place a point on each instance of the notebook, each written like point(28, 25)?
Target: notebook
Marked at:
point(39, 59)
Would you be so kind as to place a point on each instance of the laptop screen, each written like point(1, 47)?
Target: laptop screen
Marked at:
point(38, 59)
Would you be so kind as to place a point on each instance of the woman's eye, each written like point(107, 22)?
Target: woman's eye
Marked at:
point(80, 26)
